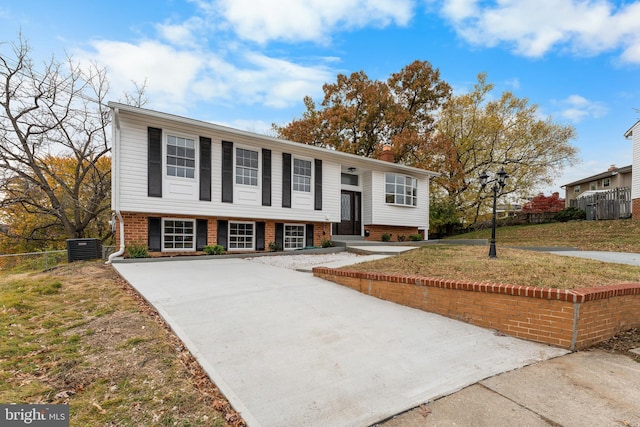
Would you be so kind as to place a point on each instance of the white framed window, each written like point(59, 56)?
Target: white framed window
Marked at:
point(241, 235)
point(178, 234)
point(576, 188)
point(294, 236)
point(606, 182)
point(593, 186)
point(181, 156)
point(401, 190)
point(246, 167)
point(302, 175)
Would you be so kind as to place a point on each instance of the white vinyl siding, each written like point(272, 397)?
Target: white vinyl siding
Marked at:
point(132, 186)
point(635, 177)
point(390, 214)
point(178, 234)
point(241, 235)
point(294, 236)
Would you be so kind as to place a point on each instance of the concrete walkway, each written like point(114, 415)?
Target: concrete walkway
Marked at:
point(615, 257)
point(588, 388)
point(289, 349)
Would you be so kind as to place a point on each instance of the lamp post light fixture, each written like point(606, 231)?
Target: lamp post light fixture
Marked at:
point(498, 185)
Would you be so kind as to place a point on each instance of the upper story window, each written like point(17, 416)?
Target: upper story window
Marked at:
point(181, 157)
point(302, 175)
point(593, 186)
point(606, 182)
point(246, 167)
point(576, 189)
point(401, 190)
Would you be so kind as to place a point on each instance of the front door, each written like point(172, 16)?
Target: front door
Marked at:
point(349, 213)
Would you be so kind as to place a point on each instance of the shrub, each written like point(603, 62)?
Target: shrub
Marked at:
point(401, 237)
point(386, 237)
point(415, 237)
point(326, 243)
point(213, 250)
point(137, 250)
point(275, 247)
point(570, 214)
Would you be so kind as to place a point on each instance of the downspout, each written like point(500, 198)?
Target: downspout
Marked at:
point(115, 182)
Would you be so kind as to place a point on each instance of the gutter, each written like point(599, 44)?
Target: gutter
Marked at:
point(115, 176)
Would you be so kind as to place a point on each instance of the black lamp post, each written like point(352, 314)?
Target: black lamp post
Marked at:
point(498, 184)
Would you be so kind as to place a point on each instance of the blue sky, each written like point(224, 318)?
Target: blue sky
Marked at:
point(249, 63)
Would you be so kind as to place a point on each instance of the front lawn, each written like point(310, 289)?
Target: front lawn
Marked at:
point(513, 267)
point(614, 236)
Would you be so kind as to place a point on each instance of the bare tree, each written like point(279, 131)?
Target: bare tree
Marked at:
point(54, 148)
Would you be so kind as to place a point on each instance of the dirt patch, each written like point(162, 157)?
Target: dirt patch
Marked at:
point(622, 343)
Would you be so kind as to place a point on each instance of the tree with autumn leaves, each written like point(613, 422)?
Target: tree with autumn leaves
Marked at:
point(459, 136)
point(55, 178)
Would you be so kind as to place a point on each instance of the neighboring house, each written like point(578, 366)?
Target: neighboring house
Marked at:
point(180, 184)
point(613, 178)
point(634, 135)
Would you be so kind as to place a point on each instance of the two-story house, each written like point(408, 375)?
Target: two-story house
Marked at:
point(179, 184)
point(612, 178)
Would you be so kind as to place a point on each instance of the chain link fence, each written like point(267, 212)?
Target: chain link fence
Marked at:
point(32, 261)
point(41, 260)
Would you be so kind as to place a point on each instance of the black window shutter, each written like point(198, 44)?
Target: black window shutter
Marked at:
point(155, 234)
point(227, 172)
point(154, 162)
point(309, 235)
point(201, 234)
point(223, 232)
point(205, 168)
point(286, 180)
point(318, 185)
point(280, 234)
point(260, 236)
point(266, 177)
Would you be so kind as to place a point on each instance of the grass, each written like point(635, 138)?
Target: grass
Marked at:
point(614, 236)
point(518, 267)
point(513, 267)
point(79, 335)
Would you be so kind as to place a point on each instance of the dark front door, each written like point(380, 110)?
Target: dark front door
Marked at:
point(349, 213)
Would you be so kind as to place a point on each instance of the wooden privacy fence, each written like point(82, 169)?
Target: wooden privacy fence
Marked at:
point(612, 204)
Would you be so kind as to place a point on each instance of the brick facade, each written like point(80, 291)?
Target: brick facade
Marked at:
point(635, 209)
point(572, 319)
point(136, 229)
point(376, 232)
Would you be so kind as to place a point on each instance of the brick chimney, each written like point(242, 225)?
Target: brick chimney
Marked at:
point(612, 168)
point(387, 154)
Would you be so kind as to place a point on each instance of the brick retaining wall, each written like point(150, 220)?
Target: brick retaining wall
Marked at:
point(572, 319)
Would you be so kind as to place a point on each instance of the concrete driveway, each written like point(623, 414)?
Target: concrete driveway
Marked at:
point(289, 349)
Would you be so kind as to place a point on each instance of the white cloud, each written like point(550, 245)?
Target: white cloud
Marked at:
point(535, 27)
point(575, 108)
point(169, 73)
point(306, 20)
point(177, 77)
point(183, 34)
